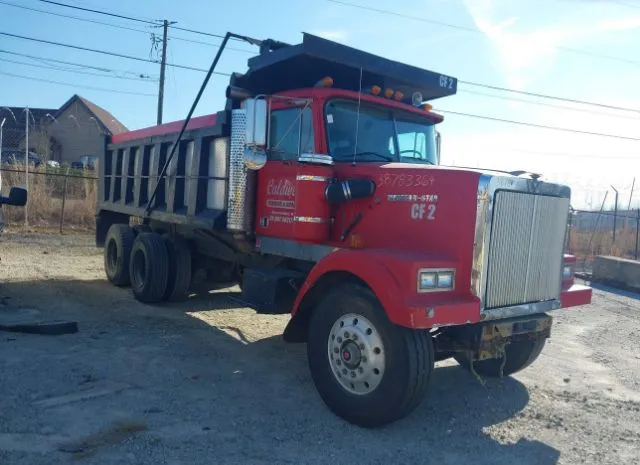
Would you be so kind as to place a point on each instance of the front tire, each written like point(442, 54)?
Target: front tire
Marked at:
point(367, 370)
point(149, 267)
point(520, 354)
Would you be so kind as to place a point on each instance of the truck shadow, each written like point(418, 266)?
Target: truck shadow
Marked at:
point(253, 392)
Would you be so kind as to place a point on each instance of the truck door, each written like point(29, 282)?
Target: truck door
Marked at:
point(290, 193)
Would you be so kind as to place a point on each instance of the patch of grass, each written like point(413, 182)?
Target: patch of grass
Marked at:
point(589, 243)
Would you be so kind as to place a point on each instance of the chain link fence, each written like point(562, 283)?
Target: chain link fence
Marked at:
point(593, 233)
point(60, 199)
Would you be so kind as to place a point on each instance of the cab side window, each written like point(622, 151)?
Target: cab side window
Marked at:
point(291, 133)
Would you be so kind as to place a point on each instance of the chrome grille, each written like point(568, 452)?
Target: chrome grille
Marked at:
point(525, 248)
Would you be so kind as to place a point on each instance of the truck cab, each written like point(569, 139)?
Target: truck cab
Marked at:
point(320, 190)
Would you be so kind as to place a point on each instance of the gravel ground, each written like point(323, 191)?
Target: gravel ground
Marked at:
point(208, 381)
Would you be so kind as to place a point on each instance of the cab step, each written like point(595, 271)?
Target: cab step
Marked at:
point(271, 290)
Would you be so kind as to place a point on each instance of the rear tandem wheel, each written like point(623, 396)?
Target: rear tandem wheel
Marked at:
point(149, 267)
point(117, 251)
point(179, 277)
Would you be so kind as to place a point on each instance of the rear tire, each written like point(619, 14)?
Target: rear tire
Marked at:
point(149, 267)
point(393, 367)
point(520, 355)
point(117, 251)
point(179, 277)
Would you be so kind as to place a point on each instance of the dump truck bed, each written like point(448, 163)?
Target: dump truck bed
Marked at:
point(194, 189)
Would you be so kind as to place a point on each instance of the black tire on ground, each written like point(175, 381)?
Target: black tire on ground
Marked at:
point(117, 251)
point(404, 374)
point(520, 355)
point(179, 277)
point(149, 267)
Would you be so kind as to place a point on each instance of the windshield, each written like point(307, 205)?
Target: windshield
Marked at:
point(383, 134)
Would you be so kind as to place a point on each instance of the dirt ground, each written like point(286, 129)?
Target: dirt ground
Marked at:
point(208, 381)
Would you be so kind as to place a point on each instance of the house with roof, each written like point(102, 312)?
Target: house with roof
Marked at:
point(77, 129)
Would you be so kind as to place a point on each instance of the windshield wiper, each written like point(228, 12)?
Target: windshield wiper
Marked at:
point(380, 155)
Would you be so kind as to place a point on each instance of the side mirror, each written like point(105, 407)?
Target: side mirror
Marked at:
point(17, 197)
point(255, 154)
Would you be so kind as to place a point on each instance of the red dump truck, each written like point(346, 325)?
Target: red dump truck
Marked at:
point(319, 190)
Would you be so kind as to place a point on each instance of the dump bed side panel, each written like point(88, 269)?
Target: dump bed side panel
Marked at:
point(194, 189)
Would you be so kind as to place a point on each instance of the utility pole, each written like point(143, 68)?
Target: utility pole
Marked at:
point(615, 214)
point(163, 65)
point(1, 125)
point(26, 163)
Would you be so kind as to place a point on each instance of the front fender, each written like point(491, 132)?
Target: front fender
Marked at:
point(392, 277)
point(366, 267)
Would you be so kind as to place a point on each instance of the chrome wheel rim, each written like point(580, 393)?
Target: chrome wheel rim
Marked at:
point(356, 354)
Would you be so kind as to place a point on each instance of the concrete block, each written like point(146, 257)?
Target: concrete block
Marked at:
point(617, 272)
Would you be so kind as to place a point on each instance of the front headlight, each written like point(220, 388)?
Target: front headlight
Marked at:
point(428, 280)
point(435, 280)
point(445, 279)
point(567, 272)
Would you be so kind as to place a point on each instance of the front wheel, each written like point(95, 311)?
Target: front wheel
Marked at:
point(519, 355)
point(366, 370)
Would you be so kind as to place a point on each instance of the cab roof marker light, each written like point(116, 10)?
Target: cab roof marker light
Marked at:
point(375, 90)
point(388, 93)
point(416, 99)
point(326, 81)
point(427, 107)
point(398, 96)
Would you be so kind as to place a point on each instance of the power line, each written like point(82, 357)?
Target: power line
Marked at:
point(562, 107)
point(76, 85)
point(100, 12)
point(75, 71)
point(388, 12)
point(72, 17)
point(472, 29)
point(219, 36)
point(377, 10)
point(562, 99)
point(104, 52)
point(539, 126)
point(118, 26)
point(557, 154)
point(77, 47)
point(97, 68)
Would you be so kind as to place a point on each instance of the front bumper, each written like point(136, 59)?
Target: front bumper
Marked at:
point(431, 311)
point(575, 295)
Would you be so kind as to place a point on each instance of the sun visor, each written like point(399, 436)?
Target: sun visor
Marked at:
point(302, 65)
